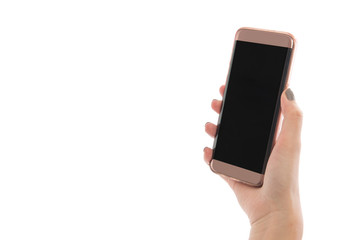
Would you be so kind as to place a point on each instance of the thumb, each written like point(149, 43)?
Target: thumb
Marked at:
point(284, 158)
point(290, 134)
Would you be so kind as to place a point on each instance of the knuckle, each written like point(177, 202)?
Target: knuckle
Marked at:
point(297, 114)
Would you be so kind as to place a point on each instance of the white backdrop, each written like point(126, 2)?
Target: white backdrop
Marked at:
point(103, 106)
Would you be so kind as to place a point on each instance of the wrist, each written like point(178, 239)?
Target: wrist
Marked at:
point(278, 225)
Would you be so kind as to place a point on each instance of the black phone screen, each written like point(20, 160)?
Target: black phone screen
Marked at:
point(251, 105)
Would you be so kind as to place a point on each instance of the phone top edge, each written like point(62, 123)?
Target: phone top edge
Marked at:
point(268, 37)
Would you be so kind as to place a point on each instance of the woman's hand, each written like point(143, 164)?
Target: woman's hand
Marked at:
point(274, 209)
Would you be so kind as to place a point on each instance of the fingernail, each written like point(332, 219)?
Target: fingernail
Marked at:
point(206, 123)
point(289, 94)
point(204, 149)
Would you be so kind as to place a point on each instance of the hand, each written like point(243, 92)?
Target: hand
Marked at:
point(274, 209)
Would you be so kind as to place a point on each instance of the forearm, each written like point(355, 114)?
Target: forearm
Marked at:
point(277, 227)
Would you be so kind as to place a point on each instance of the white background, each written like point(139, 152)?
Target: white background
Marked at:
point(103, 106)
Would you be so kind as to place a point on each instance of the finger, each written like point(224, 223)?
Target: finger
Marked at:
point(210, 129)
point(288, 143)
point(207, 154)
point(283, 163)
point(222, 90)
point(216, 105)
point(292, 122)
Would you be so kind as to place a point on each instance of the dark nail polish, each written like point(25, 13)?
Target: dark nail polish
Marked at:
point(289, 94)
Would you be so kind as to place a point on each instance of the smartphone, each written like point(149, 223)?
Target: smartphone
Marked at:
point(249, 116)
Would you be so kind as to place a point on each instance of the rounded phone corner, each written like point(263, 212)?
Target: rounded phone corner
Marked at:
point(258, 184)
point(211, 165)
point(254, 182)
point(240, 30)
point(292, 39)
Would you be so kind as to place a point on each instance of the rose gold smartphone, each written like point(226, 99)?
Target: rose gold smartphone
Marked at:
point(249, 116)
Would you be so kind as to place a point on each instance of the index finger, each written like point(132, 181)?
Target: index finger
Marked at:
point(222, 89)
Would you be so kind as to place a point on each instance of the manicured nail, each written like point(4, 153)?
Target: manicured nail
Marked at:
point(289, 94)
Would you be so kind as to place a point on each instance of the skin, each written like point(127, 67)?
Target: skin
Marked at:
point(274, 210)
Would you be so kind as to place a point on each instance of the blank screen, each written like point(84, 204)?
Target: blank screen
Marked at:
point(251, 105)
